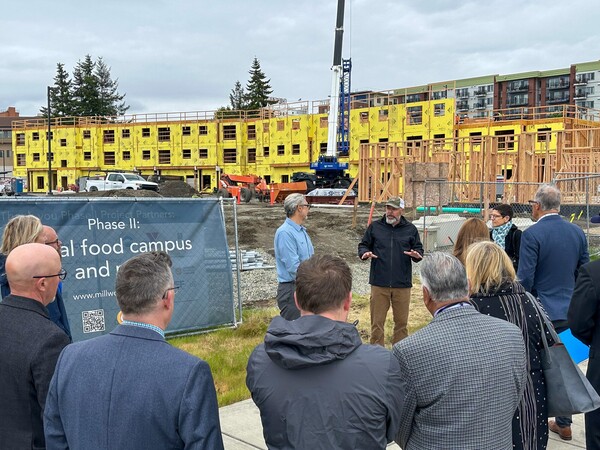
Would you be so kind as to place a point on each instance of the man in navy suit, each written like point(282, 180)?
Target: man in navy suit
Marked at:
point(552, 250)
point(130, 389)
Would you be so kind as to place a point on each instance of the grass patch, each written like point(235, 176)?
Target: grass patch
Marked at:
point(227, 350)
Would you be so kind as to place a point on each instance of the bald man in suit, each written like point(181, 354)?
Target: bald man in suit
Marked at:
point(29, 344)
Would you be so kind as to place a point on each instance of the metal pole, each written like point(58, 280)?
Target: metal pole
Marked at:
point(49, 146)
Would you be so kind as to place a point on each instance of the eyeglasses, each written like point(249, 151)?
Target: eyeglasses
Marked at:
point(533, 202)
point(174, 289)
point(56, 241)
point(496, 216)
point(61, 275)
point(306, 205)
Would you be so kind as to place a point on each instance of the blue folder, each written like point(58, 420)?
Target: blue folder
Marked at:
point(577, 349)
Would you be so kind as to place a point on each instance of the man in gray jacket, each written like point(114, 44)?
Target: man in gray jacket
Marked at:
point(316, 385)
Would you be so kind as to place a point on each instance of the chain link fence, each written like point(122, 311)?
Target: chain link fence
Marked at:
point(449, 204)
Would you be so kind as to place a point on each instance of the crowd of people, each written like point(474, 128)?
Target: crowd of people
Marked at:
point(470, 379)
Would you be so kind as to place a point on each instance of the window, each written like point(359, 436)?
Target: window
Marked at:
point(251, 155)
point(267, 179)
point(285, 178)
point(506, 140)
point(439, 139)
point(63, 163)
point(87, 156)
point(87, 134)
point(229, 155)
point(323, 148)
point(462, 93)
point(543, 134)
point(410, 146)
point(265, 151)
point(126, 155)
point(125, 133)
point(186, 131)
point(146, 154)
point(295, 149)
point(36, 156)
point(186, 153)
point(20, 139)
point(280, 125)
point(63, 142)
point(203, 130)
point(145, 132)
point(415, 115)
point(20, 159)
point(364, 116)
point(475, 138)
point(251, 132)
point(266, 127)
point(202, 153)
point(439, 109)
point(35, 136)
point(206, 181)
point(164, 134)
point(229, 132)
point(295, 124)
point(109, 158)
point(280, 150)
point(323, 122)
point(51, 156)
point(164, 156)
point(109, 136)
point(40, 182)
point(383, 114)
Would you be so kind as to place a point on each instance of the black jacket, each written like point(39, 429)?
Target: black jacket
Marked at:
point(391, 268)
point(319, 387)
point(512, 244)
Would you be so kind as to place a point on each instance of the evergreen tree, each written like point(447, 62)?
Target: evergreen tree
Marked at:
point(258, 89)
point(61, 100)
point(110, 102)
point(85, 88)
point(237, 98)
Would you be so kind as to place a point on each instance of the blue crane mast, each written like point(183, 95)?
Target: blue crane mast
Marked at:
point(327, 167)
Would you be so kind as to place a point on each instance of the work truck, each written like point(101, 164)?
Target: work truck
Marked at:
point(116, 180)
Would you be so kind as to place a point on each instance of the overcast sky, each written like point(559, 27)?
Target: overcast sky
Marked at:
point(185, 55)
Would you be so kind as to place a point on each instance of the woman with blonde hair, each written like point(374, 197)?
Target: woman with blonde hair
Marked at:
point(25, 229)
point(495, 291)
point(472, 230)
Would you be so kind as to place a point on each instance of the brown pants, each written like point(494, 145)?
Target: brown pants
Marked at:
point(381, 298)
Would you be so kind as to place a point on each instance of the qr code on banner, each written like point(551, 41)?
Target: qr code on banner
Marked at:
point(93, 321)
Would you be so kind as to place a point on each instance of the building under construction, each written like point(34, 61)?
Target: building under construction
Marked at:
point(516, 127)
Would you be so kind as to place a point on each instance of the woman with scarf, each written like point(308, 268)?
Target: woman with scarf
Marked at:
point(505, 233)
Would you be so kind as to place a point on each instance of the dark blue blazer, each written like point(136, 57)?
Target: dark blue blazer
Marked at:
point(130, 389)
point(552, 250)
point(29, 347)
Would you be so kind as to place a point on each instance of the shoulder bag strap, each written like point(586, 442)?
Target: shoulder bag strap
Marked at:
point(543, 316)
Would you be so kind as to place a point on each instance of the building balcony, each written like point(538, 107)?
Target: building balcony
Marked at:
point(563, 85)
point(555, 100)
point(580, 95)
point(462, 106)
point(517, 102)
point(480, 105)
point(480, 92)
point(580, 81)
point(518, 88)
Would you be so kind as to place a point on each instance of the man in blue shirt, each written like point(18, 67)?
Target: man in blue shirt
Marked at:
point(292, 246)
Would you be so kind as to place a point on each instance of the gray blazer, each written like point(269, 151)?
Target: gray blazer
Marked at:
point(131, 390)
point(465, 375)
point(29, 347)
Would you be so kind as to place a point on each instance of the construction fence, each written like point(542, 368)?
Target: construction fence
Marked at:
point(443, 206)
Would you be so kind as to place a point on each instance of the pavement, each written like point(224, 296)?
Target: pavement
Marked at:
point(242, 430)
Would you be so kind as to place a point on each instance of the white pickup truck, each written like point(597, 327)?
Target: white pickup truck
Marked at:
point(118, 180)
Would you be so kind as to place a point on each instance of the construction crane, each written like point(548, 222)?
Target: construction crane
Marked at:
point(327, 167)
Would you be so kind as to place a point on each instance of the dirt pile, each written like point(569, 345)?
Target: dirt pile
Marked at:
point(177, 189)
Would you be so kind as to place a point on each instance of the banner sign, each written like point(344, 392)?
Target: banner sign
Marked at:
point(98, 235)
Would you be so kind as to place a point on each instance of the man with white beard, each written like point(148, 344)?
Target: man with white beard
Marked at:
point(391, 243)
